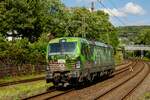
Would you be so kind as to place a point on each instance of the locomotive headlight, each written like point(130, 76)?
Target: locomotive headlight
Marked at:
point(47, 68)
point(78, 64)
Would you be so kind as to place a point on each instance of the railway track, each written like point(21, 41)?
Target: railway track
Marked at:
point(59, 94)
point(119, 66)
point(54, 93)
point(21, 81)
point(109, 93)
point(130, 92)
point(120, 70)
point(51, 89)
point(50, 94)
point(106, 94)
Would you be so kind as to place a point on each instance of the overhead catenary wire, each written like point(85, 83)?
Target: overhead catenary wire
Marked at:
point(122, 22)
point(114, 5)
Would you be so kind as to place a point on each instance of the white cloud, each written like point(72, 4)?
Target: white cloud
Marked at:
point(133, 8)
point(115, 12)
point(129, 8)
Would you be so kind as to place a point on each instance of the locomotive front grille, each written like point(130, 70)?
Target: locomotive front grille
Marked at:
point(57, 67)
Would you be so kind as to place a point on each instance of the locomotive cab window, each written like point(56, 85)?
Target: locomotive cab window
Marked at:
point(62, 47)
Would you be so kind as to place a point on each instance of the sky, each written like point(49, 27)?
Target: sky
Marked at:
point(128, 12)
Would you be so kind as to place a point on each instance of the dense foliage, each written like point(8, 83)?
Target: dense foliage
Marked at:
point(136, 35)
point(21, 52)
point(31, 23)
point(25, 18)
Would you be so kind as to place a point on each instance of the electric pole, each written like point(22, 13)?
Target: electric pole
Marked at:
point(92, 6)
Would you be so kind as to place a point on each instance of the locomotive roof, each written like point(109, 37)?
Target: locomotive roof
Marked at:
point(97, 43)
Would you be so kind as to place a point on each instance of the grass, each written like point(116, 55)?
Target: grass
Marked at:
point(18, 78)
point(146, 59)
point(146, 96)
point(17, 92)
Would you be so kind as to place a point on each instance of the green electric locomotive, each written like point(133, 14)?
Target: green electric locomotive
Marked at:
point(72, 60)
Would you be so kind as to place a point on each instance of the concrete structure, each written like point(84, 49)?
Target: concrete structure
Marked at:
point(137, 47)
point(141, 48)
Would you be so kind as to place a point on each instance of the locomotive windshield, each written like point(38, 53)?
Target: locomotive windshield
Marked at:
point(63, 47)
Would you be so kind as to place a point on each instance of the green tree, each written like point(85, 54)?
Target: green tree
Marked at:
point(14, 53)
point(26, 18)
point(38, 50)
point(92, 25)
point(34, 20)
point(143, 37)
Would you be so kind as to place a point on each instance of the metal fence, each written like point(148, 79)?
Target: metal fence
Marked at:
point(21, 70)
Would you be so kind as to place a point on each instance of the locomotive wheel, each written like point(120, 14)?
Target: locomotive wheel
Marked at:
point(90, 77)
point(56, 81)
point(55, 84)
point(47, 81)
point(76, 84)
point(111, 72)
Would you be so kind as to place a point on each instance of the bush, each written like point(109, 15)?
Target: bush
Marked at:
point(21, 51)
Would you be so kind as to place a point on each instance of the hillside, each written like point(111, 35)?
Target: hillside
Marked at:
point(129, 34)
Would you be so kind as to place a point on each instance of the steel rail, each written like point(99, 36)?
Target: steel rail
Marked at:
point(52, 89)
point(21, 81)
point(60, 94)
point(123, 82)
point(132, 90)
